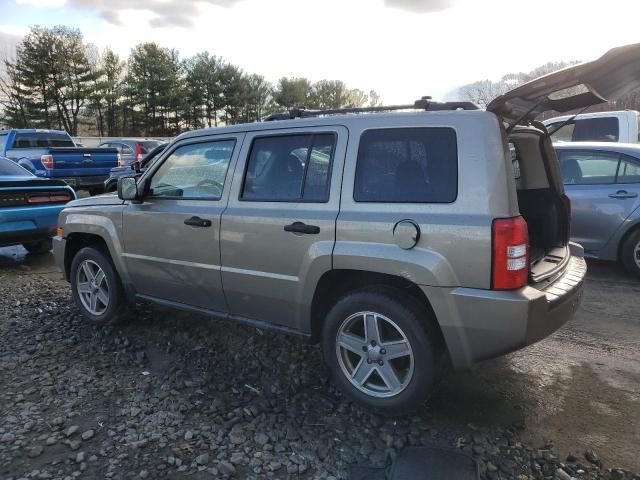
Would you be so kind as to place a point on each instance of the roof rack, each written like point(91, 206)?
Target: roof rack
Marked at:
point(425, 103)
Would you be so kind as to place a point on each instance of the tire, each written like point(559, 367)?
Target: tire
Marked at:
point(110, 308)
point(40, 247)
point(630, 253)
point(399, 318)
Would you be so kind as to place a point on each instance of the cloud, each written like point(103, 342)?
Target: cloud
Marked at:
point(8, 43)
point(420, 6)
point(41, 3)
point(165, 13)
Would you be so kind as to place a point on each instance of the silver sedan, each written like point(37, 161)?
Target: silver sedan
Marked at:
point(603, 182)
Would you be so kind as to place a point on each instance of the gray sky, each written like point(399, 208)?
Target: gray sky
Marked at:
point(401, 48)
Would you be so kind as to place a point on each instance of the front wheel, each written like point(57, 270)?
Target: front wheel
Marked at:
point(39, 248)
point(96, 287)
point(380, 350)
point(630, 253)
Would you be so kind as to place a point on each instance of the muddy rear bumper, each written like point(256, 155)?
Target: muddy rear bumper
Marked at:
point(480, 324)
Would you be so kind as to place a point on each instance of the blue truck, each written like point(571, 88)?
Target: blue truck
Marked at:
point(53, 154)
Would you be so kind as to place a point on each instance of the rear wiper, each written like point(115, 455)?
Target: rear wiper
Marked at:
point(567, 121)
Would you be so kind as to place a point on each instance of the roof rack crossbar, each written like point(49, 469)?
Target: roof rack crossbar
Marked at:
point(424, 103)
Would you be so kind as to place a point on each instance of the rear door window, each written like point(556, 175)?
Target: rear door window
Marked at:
point(289, 168)
point(407, 165)
point(588, 168)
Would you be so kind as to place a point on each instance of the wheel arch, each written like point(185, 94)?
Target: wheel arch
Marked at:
point(77, 241)
point(334, 284)
point(633, 228)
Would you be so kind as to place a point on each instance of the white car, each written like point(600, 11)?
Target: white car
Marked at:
point(620, 126)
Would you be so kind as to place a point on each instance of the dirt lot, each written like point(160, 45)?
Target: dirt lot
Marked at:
point(171, 394)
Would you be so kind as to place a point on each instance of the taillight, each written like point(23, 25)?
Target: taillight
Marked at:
point(120, 161)
point(47, 161)
point(510, 267)
point(567, 204)
point(40, 198)
point(138, 153)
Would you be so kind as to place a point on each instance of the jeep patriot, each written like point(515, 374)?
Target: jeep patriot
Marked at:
point(400, 241)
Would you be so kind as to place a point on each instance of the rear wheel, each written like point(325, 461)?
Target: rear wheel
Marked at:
point(38, 248)
point(96, 287)
point(379, 350)
point(630, 253)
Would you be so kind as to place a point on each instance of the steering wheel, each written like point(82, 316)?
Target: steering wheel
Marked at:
point(209, 183)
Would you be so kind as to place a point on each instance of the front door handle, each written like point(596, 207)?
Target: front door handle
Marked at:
point(622, 194)
point(197, 222)
point(299, 227)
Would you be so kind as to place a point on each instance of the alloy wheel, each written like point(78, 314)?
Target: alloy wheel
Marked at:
point(374, 354)
point(93, 288)
point(636, 254)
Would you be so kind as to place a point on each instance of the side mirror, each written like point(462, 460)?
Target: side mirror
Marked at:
point(128, 189)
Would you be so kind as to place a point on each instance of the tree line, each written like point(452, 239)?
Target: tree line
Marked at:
point(57, 81)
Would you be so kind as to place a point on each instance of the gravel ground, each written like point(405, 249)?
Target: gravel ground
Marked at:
point(170, 394)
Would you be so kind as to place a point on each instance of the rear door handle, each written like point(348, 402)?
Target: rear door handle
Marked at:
point(299, 227)
point(197, 222)
point(622, 194)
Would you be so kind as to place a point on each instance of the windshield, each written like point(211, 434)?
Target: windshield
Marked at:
point(42, 140)
point(8, 168)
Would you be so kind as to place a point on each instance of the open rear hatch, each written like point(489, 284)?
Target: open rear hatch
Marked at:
point(539, 187)
point(608, 78)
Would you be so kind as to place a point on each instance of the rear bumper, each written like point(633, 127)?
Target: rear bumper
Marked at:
point(482, 324)
point(24, 236)
point(28, 224)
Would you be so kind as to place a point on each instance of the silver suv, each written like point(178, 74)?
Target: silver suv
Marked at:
point(400, 241)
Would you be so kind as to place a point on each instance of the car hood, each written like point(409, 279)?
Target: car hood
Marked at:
point(611, 76)
point(105, 199)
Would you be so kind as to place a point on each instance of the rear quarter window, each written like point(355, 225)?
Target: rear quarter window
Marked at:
point(407, 165)
point(604, 129)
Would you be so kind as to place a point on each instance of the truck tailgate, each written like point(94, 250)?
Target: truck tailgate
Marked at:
point(83, 161)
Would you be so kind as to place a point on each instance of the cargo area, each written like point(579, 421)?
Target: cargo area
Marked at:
point(541, 201)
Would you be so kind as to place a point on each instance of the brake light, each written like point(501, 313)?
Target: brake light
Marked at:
point(138, 152)
point(510, 265)
point(567, 204)
point(120, 162)
point(40, 198)
point(47, 161)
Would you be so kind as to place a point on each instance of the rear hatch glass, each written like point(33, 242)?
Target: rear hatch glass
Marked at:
point(146, 147)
